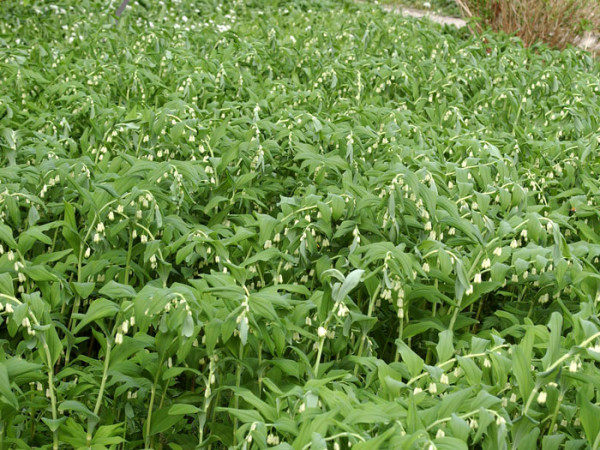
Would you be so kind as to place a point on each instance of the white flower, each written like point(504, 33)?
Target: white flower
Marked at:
point(469, 290)
point(498, 251)
point(100, 227)
point(573, 366)
point(417, 390)
point(432, 388)
point(444, 379)
point(486, 264)
point(88, 252)
point(426, 267)
point(322, 332)
point(343, 310)
point(440, 434)
point(10, 255)
point(514, 244)
point(272, 439)
point(119, 339)
point(487, 363)
point(111, 216)
point(9, 308)
point(541, 398)
point(477, 278)
point(428, 226)
point(97, 238)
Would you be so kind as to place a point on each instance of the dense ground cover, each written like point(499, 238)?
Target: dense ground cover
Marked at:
point(303, 224)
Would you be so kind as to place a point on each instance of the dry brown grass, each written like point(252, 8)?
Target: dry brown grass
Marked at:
point(556, 22)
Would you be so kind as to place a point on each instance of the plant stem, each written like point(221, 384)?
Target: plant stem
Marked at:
point(319, 353)
point(260, 372)
point(101, 391)
point(400, 332)
point(429, 351)
point(128, 260)
point(151, 405)
point(364, 334)
point(51, 388)
point(555, 414)
point(238, 381)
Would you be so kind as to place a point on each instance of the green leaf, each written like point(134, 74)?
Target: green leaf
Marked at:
point(245, 415)
point(162, 420)
point(553, 350)
point(84, 290)
point(522, 372)
point(6, 393)
point(115, 290)
point(180, 409)
point(350, 282)
point(39, 273)
point(7, 236)
point(54, 424)
point(6, 284)
point(450, 443)
point(445, 347)
point(73, 405)
point(33, 216)
point(188, 326)
point(413, 361)
point(589, 414)
point(98, 310)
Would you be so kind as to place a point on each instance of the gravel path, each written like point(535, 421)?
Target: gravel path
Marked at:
point(412, 12)
point(589, 41)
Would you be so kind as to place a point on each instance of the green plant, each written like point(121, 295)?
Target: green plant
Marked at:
point(307, 224)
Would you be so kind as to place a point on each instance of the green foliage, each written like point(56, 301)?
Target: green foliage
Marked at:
point(303, 223)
